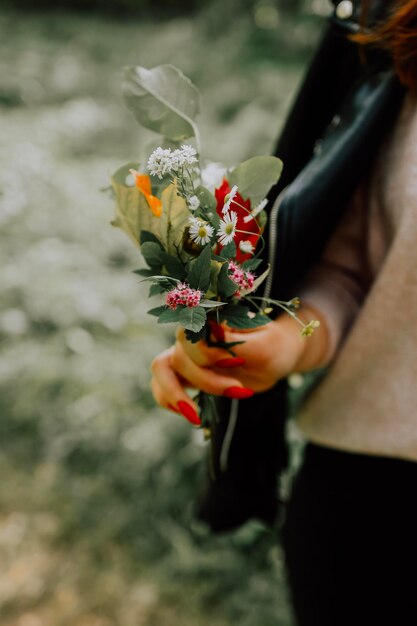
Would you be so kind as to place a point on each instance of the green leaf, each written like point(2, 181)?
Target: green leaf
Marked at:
point(207, 200)
point(152, 253)
point(251, 264)
point(155, 289)
point(256, 176)
point(173, 266)
point(211, 304)
point(200, 268)
point(225, 285)
point(193, 318)
point(146, 236)
point(195, 337)
point(237, 316)
point(133, 214)
point(162, 99)
point(229, 251)
point(144, 272)
point(174, 219)
point(157, 311)
point(169, 316)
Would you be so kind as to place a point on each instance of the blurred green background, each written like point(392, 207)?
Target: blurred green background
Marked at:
point(97, 484)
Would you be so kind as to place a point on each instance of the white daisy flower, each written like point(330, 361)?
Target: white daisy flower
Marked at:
point(227, 228)
point(160, 162)
point(200, 231)
point(255, 212)
point(193, 203)
point(246, 247)
point(229, 199)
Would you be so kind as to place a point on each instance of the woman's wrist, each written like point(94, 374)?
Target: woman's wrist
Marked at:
point(308, 352)
point(315, 347)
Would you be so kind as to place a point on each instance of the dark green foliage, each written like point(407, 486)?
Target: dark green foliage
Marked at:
point(199, 273)
point(237, 316)
point(225, 285)
point(193, 318)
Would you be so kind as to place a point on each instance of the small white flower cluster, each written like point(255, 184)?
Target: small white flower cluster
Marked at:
point(163, 161)
point(193, 203)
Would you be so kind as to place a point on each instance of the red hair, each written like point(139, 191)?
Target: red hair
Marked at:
point(398, 35)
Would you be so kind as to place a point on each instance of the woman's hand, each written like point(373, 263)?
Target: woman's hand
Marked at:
point(268, 353)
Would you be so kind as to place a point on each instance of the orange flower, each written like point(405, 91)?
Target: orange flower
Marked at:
point(143, 183)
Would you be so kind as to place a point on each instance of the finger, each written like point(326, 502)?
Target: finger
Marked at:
point(206, 379)
point(169, 390)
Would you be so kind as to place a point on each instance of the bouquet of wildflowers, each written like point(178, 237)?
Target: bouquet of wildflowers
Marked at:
point(199, 225)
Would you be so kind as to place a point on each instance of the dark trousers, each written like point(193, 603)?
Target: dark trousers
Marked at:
point(350, 540)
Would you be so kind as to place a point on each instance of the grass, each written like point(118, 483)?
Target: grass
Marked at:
point(98, 484)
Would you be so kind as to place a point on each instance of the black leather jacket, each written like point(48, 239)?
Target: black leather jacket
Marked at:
point(343, 109)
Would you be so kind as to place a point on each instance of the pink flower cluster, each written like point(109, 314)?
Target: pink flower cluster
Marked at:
point(244, 279)
point(183, 295)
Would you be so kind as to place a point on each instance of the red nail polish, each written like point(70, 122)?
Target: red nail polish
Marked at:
point(188, 412)
point(233, 362)
point(218, 331)
point(238, 393)
point(172, 408)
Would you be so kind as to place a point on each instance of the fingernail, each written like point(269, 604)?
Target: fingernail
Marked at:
point(232, 362)
point(238, 393)
point(188, 412)
point(218, 331)
point(173, 408)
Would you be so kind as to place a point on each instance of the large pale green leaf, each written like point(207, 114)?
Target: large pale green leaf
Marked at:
point(162, 99)
point(174, 219)
point(132, 210)
point(256, 176)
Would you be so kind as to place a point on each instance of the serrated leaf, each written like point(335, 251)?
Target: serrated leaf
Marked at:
point(133, 214)
point(193, 318)
point(162, 99)
point(170, 316)
point(237, 316)
point(200, 268)
point(229, 251)
point(225, 285)
point(174, 219)
point(152, 253)
point(256, 176)
point(157, 311)
point(173, 266)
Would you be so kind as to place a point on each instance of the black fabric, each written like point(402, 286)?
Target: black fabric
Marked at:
point(339, 117)
point(350, 540)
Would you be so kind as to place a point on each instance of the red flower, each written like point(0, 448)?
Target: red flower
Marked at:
point(252, 231)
